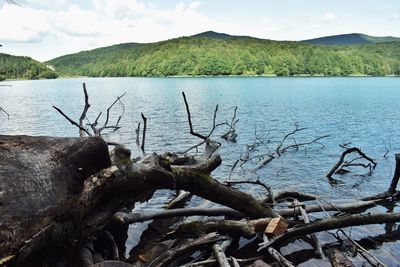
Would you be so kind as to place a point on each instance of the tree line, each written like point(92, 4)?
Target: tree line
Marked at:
point(17, 67)
point(205, 56)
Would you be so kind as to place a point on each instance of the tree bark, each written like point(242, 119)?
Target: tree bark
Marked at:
point(40, 177)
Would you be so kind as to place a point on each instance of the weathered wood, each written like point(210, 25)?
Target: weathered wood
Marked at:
point(346, 152)
point(313, 236)
point(277, 256)
point(220, 255)
point(334, 223)
point(141, 217)
point(169, 256)
point(246, 229)
point(277, 226)
point(39, 179)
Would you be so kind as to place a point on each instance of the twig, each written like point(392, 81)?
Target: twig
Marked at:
point(220, 255)
point(72, 121)
point(379, 263)
point(85, 109)
point(170, 255)
point(278, 256)
point(144, 131)
point(5, 112)
point(313, 236)
point(297, 129)
point(137, 130)
point(190, 120)
point(341, 160)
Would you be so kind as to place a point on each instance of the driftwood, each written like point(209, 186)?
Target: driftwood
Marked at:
point(172, 254)
point(96, 131)
point(144, 131)
point(341, 164)
point(40, 180)
point(5, 112)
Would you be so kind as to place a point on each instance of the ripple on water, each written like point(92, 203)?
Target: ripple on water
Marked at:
point(362, 111)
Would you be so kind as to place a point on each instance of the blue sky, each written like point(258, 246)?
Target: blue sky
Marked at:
point(44, 29)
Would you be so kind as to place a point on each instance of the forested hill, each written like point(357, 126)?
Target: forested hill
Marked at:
point(16, 67)
point(199, 55)
point(351, 39)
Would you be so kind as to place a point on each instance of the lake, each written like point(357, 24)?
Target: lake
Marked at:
point(363, 111)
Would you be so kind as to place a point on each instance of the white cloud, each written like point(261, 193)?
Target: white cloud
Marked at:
point(22, 24)
point(395, 16)
point(328, 17)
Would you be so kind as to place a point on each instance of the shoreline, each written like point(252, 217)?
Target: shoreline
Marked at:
point(211, 76)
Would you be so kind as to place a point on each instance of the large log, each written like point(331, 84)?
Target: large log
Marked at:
point(39, 178)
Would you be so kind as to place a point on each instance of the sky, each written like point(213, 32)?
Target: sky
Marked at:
point(45, 29)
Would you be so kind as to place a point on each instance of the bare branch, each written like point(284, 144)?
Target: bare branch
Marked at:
point(297, 129)
point(85, 109)
point(129, 218)
point(190, 119)
point(144, 131)
point(72, 121)
point(338, 165)
point(5, 112)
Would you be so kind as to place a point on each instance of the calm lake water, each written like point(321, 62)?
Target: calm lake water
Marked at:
point(363, 111)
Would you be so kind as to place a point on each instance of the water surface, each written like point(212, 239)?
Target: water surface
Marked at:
point(363, 111)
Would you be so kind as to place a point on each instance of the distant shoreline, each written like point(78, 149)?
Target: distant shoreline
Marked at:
point(215, 76)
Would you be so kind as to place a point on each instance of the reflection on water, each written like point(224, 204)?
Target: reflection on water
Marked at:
point(363, 111)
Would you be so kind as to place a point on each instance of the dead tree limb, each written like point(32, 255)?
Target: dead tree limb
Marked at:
point(270, 198)
point(171, 255)
point(231, 135)
point(392, 190)
point(280, 149)
point(245, 229)
point(5, 112)
point(220, 255)
point(96, 131)
point(297, 129)
point(396, 176)
point(333, 223)
point(85, 109)
point(306, 221)
point(137, 131)
point(81, 129)
point(338, 165)
point(129, 218)
point(344, 207)
point(192, 132)
point(133, 217)
point(209, 261)
point(144, 131)
point(278, 256)
point(282, 195)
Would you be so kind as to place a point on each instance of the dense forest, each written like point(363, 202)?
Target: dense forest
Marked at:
point(16, 67)
point(232, 56)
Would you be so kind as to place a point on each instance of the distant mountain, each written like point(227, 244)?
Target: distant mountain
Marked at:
point(17, 67)
point(221, 36)
point(351, 39)
point(212, 53)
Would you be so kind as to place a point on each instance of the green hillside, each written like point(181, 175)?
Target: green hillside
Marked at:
point(16, 67)
point(351, 39)
point(232, 56)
